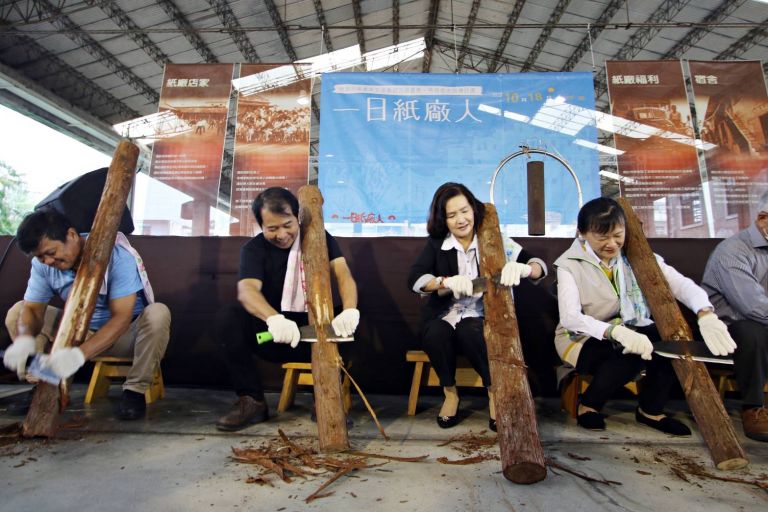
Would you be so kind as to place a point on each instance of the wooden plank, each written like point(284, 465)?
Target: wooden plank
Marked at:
point(47, 402)
point(522, 457)
point(331, 419)
point(703, 399)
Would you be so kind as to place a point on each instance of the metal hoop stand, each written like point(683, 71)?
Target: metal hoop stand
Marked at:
point(528, 151)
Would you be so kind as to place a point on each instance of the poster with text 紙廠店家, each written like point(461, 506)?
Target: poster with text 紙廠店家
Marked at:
point(271, 136)
point(732, 115)
point(653, 130)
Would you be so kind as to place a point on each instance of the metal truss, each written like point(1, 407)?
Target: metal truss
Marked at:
point(27, 11)
point(747, 41)
point(480, 59)
point(592, 34)
point(235, 31)
point(395, 22)
point(133, 31)
point(68, 27)
point(493, 65)
point(665, 12)
point(181, 22)
point(429, 37)
point(467, 34)
point(694, 36)
point(359, 24)
point(67, 82)
point(323, 25)
point(557, 13)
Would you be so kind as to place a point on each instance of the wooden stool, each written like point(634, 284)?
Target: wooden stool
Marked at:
point(465, 377)
point(725, 381)
point(108, 367)
point(577, 384)
point(300, 374)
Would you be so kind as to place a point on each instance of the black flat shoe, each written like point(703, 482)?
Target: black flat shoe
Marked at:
point(132, 406)
point(492, 424)
point(447, 421)
point(591, 421)
point(666, 424)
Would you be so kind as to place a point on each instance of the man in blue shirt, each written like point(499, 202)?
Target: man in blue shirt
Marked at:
point(126, 321)
point(736, 279)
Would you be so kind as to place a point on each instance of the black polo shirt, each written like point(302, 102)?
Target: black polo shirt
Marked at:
point(262, 260)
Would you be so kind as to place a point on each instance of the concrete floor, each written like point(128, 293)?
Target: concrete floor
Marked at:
point(176, 460)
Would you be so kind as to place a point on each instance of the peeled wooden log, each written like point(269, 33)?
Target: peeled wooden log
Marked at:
point(703, 399)
point(522, 457)
point(48, 400)
point(331, 419)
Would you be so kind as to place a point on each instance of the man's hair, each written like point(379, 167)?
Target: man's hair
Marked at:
point(277, 200)
point(600, 216)
point(46, 222)
point(436, 225)
point(762, 205)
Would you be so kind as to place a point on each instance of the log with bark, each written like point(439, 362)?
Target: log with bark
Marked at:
point(522, 457)
point(326, 361)
point(703, 399)
point(49, 400)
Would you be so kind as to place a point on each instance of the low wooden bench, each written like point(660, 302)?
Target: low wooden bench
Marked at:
point(577, 384)
point(107, 368)
point(725, 381)
point(300, 374)
point(465, 377)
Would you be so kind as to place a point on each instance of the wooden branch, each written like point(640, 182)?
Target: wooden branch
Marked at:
point(522, 457)
point(331, 419)
point(703, 399)
point(46, 404)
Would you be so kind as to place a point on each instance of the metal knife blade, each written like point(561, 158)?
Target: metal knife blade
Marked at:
point(480, 284)
point(308, 334)
point(697, 351)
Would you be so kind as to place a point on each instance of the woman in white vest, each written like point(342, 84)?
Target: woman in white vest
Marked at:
point(605, 326)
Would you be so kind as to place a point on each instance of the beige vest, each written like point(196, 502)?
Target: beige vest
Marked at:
point(598, 299)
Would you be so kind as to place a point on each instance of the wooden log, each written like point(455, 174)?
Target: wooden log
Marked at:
point(48, 400)
point(703, 399)
point(536, 210)
point(331, 419)
point(522, 457)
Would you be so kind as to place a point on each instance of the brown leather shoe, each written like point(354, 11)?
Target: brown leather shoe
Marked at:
point(755, 422)
point(247, 411)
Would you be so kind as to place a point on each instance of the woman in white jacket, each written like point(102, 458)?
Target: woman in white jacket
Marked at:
point(605, 326)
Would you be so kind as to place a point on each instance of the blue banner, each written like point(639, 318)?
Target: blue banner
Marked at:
point(388, 140)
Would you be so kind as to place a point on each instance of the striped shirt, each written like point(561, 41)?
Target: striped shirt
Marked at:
point(736, 277)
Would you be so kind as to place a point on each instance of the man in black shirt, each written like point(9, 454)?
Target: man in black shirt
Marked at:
point(270, 291)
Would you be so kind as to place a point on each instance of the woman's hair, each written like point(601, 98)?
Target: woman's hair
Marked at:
point(276, 200)
point(600, 216)
point(436, 226)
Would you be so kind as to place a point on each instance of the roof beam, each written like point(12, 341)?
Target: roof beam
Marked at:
point(181, 22)
point(429, 38)
point(90, 45)
point(235, 31)
point(467, 34)
point(745, 42)
point(28, 11)
point(63, 77)
point(395, 22)
point(592, 33)
point(557, 13)
point(132, 30)
point(359, 24)
point(323, 25)
point(693, 36)
point(493, 65)
point(664, 13)
point(486, 56)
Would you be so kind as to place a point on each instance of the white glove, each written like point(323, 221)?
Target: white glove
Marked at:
point(283, 330)
point(716, 335)
point(16, 355)
point(513, 272)
point(459, 285)
point(346, 323)
point(633, 342)
point(65, 361)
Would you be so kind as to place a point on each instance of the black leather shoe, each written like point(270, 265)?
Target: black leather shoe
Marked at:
point(591, 420)
point(666, 424)
point(492, 424)
point(448, 421)
point(132, 406)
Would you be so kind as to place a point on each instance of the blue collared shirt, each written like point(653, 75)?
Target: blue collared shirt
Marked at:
point(736, 277)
